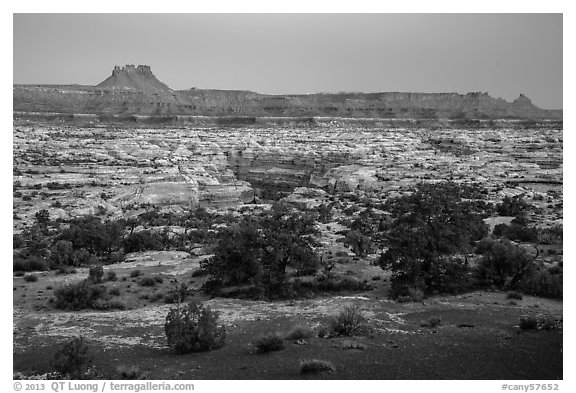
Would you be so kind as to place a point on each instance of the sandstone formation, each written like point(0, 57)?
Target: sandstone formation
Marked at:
point(119, 170)
point(132, 91)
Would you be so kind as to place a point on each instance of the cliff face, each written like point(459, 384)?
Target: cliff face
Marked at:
point(139, 79)
point(134, 90)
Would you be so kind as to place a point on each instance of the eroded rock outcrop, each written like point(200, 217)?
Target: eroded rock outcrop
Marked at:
point(135, 91)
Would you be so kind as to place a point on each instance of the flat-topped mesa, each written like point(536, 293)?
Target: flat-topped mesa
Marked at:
point(131, 69)
point(134, 78)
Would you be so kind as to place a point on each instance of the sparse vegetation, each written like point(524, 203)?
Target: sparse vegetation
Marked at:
point(300, 332)
point(434, 322)
point(349, 322)
point(30, 278)
point(73, 359)
point(147, 281)
point(131, 372)
point(135, 273)
point(514, 295)
point(269, 343)
point(313, 366)
point(528, 323)
point(193, 327)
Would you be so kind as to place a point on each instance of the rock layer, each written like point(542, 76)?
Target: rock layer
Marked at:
point(131, 91)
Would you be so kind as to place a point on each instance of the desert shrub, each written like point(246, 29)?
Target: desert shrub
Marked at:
point(528, 323)
point(323, 331)
point(268, 343)
point(81, 295)
point(503, 264)
point(17, 241)
point(299, 332)
point(104, 304)
point(73, 359)
point(544, 282)
point(143, 241)
point(512, 206)
point(548, 323)
point(111, 276)
point(316, 366)
point(516, 232)
point(159, 279)
point(551, 235)
point(114, 291)
point(341, 254)
point(177, 294)
point(353, 345)
point(434, 322)
point(147, 281)
point(131, 372)
point(349, 322)
point(514, 295)
point(156, 296)
point(330, 284)
point(360, 244)
point(412, 294)
point(193, 327)
point(29, 264)
point(115, 257)
point(30, 278)
point(96, 273)
point(135, 273)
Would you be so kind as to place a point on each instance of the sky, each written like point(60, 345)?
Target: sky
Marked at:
point(502, 54)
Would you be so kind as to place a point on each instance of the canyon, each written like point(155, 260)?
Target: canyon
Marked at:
point(131, 147)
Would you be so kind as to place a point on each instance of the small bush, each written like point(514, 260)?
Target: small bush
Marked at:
point(323, 332)
point(316, 366)
point(348, 322)
point(96, 273)
point(73, 359)
point(547, 323)
point(268, 343)
point(135, 273)
point(514, 295)
point(156, 296)
point(111, 276)
point(147, 281)
point(79, 296)
point(193, 328)
point(300, 332)
point(528, 323)
point(413, 295)
point(353, 345)
point(30, 278)
point(29, 264)
point(434, 322)
point(132, 372)
point(159, 279)
point(114, 291)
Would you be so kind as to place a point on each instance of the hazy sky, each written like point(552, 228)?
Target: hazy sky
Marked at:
point(503, 54)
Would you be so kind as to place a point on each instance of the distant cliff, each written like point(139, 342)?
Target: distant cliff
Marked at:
point(134, 90)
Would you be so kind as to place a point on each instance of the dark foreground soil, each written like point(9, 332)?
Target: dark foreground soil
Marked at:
point(478, 338)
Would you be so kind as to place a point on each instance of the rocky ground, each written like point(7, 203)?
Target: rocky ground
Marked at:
point(115, 172)
point(478, 336)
